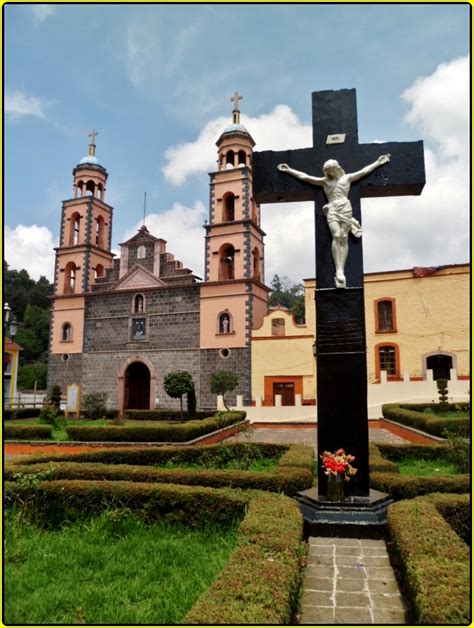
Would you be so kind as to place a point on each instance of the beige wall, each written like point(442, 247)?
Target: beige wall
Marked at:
point(68, 310)
point(216, 299)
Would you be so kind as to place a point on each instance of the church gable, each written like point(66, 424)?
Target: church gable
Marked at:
point(139, 278)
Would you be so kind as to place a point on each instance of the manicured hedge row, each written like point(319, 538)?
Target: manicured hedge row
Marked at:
point(21, 413)
point(424, 452)
point(428, 423)
point(456, 509)
point(163, 415)
point(378, 463)
point(287, 479)
point(260, 583)
point(432, 560)
point(160, 432)
point(201, 454)
point(57, 501)
point(406, 487)
point(298, 456)
point(27, 432)
point(420, 407)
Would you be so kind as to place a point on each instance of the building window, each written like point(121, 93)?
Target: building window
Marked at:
point(224, 323)
point(229, 208)
point(70, 278)
point(388, 359)
point(75, 228)
point(242, 158)
point(141, 252)
point(256, 264)
point(99, 231)
point(385, 320)
point(66, 332)
point(278, 327)
point(227, 255)
point(224, 353)
point(138, 304)
point(441, 365)
point(229, 159)
point(99, 271)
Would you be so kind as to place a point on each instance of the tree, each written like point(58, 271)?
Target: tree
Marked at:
point(177, 384)
point(289, 295)
point(222, 382)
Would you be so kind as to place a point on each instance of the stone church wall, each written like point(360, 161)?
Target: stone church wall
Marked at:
point(62, 373)
point(238, 362)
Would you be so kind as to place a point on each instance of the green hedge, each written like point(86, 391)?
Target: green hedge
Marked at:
point(378, 463)
point(27, 432)
point(457, 512)
point(21, 413)
point(406, 487)
point(286, 479)
point(163, 415)
point(160, 432)
point(401, 452)
point(432, 560)
point(462, 406)
point(429, 423)
point(260, 583)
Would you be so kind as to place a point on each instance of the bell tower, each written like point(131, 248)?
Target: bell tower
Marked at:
point(83, 255)
point(234, 297)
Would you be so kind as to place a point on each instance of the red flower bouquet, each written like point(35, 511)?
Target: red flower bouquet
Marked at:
point(338, 463)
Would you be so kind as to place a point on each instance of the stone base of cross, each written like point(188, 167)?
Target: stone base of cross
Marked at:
point(340, 317)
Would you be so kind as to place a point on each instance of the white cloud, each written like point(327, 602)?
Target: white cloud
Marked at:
point(18, 104)
point(182, 228)
point(277, 130)
point(41, 12)
point(31, 248)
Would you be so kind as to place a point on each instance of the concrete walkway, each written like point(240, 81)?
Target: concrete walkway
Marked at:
point(350, 581)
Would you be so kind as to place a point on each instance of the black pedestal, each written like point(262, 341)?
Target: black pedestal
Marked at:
point(353, 517)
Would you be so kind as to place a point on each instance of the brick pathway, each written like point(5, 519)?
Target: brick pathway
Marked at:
point(350, 581)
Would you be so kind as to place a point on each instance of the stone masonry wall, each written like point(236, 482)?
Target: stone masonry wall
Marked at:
point(237, 362)
point(62, 372)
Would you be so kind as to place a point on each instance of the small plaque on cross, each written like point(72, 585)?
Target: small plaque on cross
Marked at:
point(336, 138)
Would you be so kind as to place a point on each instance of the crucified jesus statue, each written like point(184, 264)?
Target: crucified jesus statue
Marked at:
point(338, 211)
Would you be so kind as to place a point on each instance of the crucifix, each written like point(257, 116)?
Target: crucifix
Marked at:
point(379, 169)
point(236, 111)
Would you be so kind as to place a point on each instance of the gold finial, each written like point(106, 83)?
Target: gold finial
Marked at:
point(236, 111)
point(92, 135)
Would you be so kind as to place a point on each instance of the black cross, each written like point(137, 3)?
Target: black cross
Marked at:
point(340, 318)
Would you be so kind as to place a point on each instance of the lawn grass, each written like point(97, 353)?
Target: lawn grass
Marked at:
point(111, 569)
point(255, 464)
point(419, 467)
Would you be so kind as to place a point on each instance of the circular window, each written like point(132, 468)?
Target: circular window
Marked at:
point(224, 353)
point(65, 357)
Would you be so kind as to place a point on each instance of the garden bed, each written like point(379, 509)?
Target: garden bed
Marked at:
point(430, 418)
point(293, 471)
point(260, 582)
point(431, 558)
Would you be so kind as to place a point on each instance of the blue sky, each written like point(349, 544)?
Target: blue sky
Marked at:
point(156, 80)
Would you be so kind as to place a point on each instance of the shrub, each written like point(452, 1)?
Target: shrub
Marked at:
point(21, 413)
point(177, 384)
point(458, 451)
point(160, 432)
point(94, 405)
point(408, 450)
point(55, 398)
point(442, 386)
point(260, 583)
point(378, 463)
point(432, 560)
point(28, 374)
point(406, 487)
point(27, 432)
point(222, 382)
point(49, 415)
point(162, 415)
point(406, 415)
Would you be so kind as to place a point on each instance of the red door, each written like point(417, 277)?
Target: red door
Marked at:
point(287, 392)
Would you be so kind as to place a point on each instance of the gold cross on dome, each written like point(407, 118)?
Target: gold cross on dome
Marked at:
point(92, 135)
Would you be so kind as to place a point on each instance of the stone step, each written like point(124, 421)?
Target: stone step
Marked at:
point(350, 581)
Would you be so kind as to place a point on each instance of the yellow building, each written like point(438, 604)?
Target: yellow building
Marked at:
point(416, 320)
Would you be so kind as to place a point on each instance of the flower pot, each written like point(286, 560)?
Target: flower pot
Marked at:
point(335, 488)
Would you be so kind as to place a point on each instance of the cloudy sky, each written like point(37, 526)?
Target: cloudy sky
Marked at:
point(156, 81)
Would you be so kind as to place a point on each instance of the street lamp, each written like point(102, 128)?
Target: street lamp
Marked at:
point(7, 310)
point(13, 328)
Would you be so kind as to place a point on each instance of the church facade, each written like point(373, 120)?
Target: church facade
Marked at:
point(120, 325)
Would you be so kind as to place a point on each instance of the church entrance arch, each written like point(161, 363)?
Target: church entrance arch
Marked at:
point(440, 363)
point(137, 384)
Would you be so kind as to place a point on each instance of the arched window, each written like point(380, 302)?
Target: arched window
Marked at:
point(79, 189)
point(138, 304)
point(228, 214)
point(441, 365)
point(256, 264)
point(90, 187)
point(242, 158)
point(226, 255)
point(224, 323)
point(278, 327)
point(385, 315)
point(387, 358)
point(229, 159)
point(99, 191)
point(99, 271)
point(141, 252)
point(70, 278)
point(99, 231)
point(74, 232)
point(66, 332)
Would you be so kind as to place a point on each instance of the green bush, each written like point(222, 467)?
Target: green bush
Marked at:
point(456, 509)
point(378, 463)
point(458, 451)
point(432, 561)
point(286, 479)
point(160, 432)
point(407, 487)
point(28, 374)
point(21, 413)
point(49, 415)
point(94, 405)
point(162, 415)
point(406, 415)
point(260, 583)
point(27, 432)
point(409, 450)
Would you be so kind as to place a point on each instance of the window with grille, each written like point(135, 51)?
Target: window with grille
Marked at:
point(385, 316)
point(387, 358)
